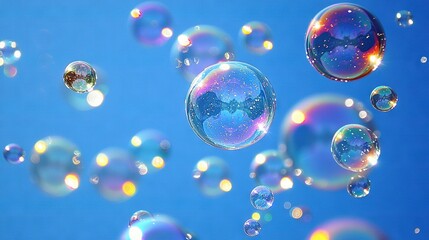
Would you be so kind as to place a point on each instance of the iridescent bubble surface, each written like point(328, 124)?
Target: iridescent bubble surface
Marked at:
point(156, 228)
point(140, 215)
point(80, 77)
point(200, 47)
point(257, 37)
point(10, 71)
point(9, 52)
point(261, 198)
point(307, 135)
point(230, 105)
point(359, 186)
point(347, 229)
point(345, 42)
point(151, 23)
point(383, 98)
point(252, 228)
point(13, 153)
point(404, 18)
point(355, 148)
point(56, 165)
point(212, 176)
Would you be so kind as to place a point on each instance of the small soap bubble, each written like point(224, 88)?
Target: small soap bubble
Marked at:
point(10, 71)
point(212, 176)
point(9, 52)
point(423, 59)
point(252, 228)
point(384, 98)
point(13, 153)
point(139, 216)
point(359, 186)
point(404, 18)
point(257, 37)
point(261, 197)
point(80, 77)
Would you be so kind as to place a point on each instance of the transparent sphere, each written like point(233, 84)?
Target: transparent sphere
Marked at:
point(359, 186)
point(151, 149)
point(257, 37)
point(347, 229)
point(13, 153)
point(252, 228)
point(80, 77)
point(345, 42)
point(200, 47)
point(355, 148)
point(212, 176)
point(115, 174)
point(139, 216)
point(261, 198)
point(273, 170)
point(423, 59)
point(156, 228)
point(230, 105)
point(404, 18)
point(56, 165)
point(151, 23)
point(383, 98)
point(9, 52)
point(10, 71)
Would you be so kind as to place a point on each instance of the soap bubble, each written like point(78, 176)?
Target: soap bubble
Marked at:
point(404, 18)
point(10, 71)
point(345, 42)
point(230, 105)
point(307, 135)
point(300, 213)
point(9, 52)
point(359, 186)
point(355, 148)
point(252, 228)
point(261, 198)
point(156, 228)
point(140, 215)
point(383, 98)
point(423, 59)
point(151, 23)
point(271, 169)
point(257, 37)
point(13, 153)
point(200, 47)
point(56, 165)
point(212, 176)
point(80, 77)
point(115, 174)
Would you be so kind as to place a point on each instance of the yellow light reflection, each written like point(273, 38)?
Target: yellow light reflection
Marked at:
point(135, 233)
point(136, 141)
point(167, 32)
point(349, 102)
point(2, 44)
point(158, 162)
point(224, 67)
point(95, 98)
point(298, 117)
point(225, 185)
point(13, 44)
point(296, 213)
point(246, 30)
point(317, 25)
point(72, 181)
point(256, 216)
point(1, 61)
point(183, 40)
point(286, 183)
point(268, 45)
point(102, 160)
point(135, 13)
point(128, 188)
point(320, 235)
point(260, 159)
point(40, 147)
point(202, 166)
point(363, 114)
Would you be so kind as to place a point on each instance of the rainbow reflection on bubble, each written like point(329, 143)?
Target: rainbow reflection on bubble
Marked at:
point(200, 47)
point(346, 229)
point(156, 228)
point(345, 42)
point(10, 71)
point(212, 176)
point(307, 133)
point(13, 153)
point(257, 37)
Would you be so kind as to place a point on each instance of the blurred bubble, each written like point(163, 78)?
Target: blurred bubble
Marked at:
point(139, 216)
point(156, 228)
point(80, 77)
point(423, 59)
point(404, 18)
point(345, 42)
point(261, 198)
point(115, 174)
point(257, 37)
point(9, 52)
point(151, 23)
point(300, 213)
point(10, 71)
point(383, 98)
point(200, 47)
point(56, 165)
point(230, 105)
point(359, 186)
point(355, 148)
point(307, 135)
point(13, 153)
point(252, 228)
point(212, 176)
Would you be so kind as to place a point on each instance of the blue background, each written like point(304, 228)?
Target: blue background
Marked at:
point(146, 91)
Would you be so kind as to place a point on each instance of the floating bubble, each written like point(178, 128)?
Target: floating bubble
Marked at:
point(257, 37)
point(9, 52)
point(212, 175)
point(115, 174)
point(359, 186)
point(80, 77)
point(139, 216)
point(300, 213)
point(307, 135)
point(355, 148)
point(13, 153)
point(345, 42)
point(273, 170)
point(261, 198)
point(252, 228)
point(10, 71)
point(230, 105)
point(404, 18)
point(200, 47)
point(423, 59)
point(383, 98)
point(151, 148)
point(156, 228)
point(151, 23)
point(56, 165)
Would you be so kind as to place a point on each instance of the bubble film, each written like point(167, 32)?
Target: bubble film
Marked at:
point(156, 228)
point(139, 216)
point(257, 37)
point(151, 23)
point(404, 18)
point(307, 133)
point(345, 42)
point(9, 52)
point(230, 105)
point(56, 165)
point(355, 148)
point(350, 229)
point(200, 47)
point(383, 98)
point(13, 153)
point(80, 77)
point(252, 228)
point(359, 186)
point(261, 198)
point(212, 176)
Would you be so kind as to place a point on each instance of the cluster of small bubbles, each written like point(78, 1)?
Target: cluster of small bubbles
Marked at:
point(115, 174)
point(151, 23)
point(404, 18)
point(383, 98)
point(13, 153)
point(56, 165)
point(157, 227)
point(151, 149)
point(339, 229)
point(200, 47)
point(257, 37)
point(271, 169)
point(252, 227)
point(359, 186)
point(9, 55)
point(345, 42)
point(139, 216)
point(212, 176)
point(355, 148)
point(300, 213)
point(80, 77)
point(423, 59)
point(230, 105)
point(261, 198)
